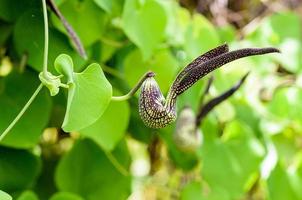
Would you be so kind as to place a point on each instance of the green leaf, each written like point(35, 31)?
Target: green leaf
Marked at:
point(5, 196)
point(86, 171)
point(227, 33)
point(282, 30)
point(144, 22)
point(86, 17)
point(163, 64)
point(237, 158)
point(200, 36)
point(18, 169)
point(177, 20)
point(65, 196)
point(103, 131)
point(192, 191)
point(88, 98)
point(104, 4)
point(10, 10)
point(31, 41)
point(28, 195)
point(290, 57)
point(283, 102)
point(279, 186)
point(18, 89)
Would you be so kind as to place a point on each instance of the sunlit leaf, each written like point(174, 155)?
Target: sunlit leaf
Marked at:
point(279, 185)
point(286, 104)
point(88, 98)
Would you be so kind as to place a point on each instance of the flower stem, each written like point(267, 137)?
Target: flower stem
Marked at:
point(6, 131)
point(136, 87)
point(45, 38)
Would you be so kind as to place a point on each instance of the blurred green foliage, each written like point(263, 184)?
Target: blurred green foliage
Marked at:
point(251, 143)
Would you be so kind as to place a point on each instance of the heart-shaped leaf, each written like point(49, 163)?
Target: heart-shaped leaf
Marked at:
point(88, 97)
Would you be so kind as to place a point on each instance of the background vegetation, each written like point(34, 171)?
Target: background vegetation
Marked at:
point(251, 143)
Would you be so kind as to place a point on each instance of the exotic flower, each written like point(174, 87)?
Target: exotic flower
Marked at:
point(158, 112)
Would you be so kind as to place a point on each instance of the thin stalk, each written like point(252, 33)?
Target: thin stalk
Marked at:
point(45, 38)
point(116, 164)
point(32, 98)
point(136, 87)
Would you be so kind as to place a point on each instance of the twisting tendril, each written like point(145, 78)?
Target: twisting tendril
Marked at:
point(158, 112)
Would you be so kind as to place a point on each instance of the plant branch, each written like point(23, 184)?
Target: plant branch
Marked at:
point(12, 124)
point(136, 87)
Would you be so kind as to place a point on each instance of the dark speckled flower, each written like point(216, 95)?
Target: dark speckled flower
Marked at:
point(158, 112)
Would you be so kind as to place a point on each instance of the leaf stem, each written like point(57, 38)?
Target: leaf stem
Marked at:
point(12, 124)
point(116, 164)
point(45, 38)
point(133, 90)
